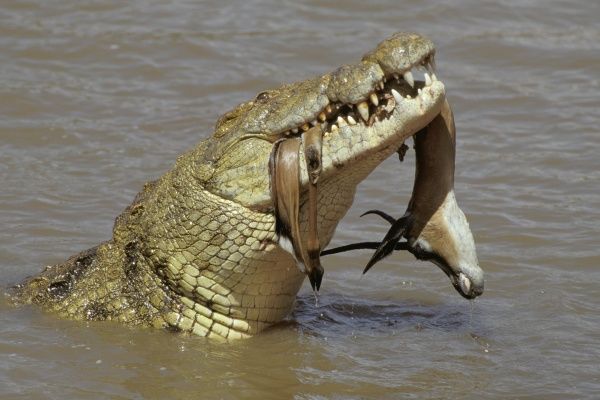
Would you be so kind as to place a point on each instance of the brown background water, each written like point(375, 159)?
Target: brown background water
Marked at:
point(98, 97)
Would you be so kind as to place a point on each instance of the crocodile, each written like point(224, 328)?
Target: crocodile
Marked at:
point(198, 250)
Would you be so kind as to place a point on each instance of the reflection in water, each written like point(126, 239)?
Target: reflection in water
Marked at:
point(99, 98)
point(337, 315)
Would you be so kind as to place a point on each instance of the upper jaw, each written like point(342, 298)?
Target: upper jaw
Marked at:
point(292, 109)
point(358, 93)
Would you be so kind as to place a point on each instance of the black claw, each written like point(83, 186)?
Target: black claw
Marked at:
point(361, 246)
point(383, 215)
point(389, 242)
point(315, 277)
point(349, 247)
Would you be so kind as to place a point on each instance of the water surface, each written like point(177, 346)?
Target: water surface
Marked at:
point(98, 98)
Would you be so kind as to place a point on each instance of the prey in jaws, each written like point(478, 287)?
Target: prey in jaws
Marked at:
point(434, 227)
point(284, 169)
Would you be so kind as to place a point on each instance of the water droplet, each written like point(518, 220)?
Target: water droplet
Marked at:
point(471, 308)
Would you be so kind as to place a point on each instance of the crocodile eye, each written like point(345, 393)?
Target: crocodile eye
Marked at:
point(262, 96)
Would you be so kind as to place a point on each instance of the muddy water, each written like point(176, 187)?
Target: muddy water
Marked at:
point(96, 99)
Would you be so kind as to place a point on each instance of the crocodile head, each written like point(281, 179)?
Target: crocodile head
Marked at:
point(366, 111)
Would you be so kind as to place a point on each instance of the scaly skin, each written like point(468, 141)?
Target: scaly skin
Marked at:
point(197, 249)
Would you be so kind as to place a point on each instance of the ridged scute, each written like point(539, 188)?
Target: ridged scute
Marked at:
point(353, 83)
point(397, 53)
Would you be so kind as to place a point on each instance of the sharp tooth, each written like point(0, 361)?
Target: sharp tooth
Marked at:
point(305, 127)
point(397, 96)
point(322, 117)
point(419, 91)
point(408, 77)
point(351, 120)
point(391, 104)
point(427, 79)
point(363, 110)
point(432, 63)
point(408, 96)
point(381, 86)
point(374, 99)
point(341, 121)
point(295, 130)
point(334, 128)
point(328, 109)
point(429, 67)
point(287, 133)
point(314, 122)
point(433, 77)
point(396, 76)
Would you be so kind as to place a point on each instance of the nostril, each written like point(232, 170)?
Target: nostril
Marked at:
point(464, 283)
point(468, 287)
